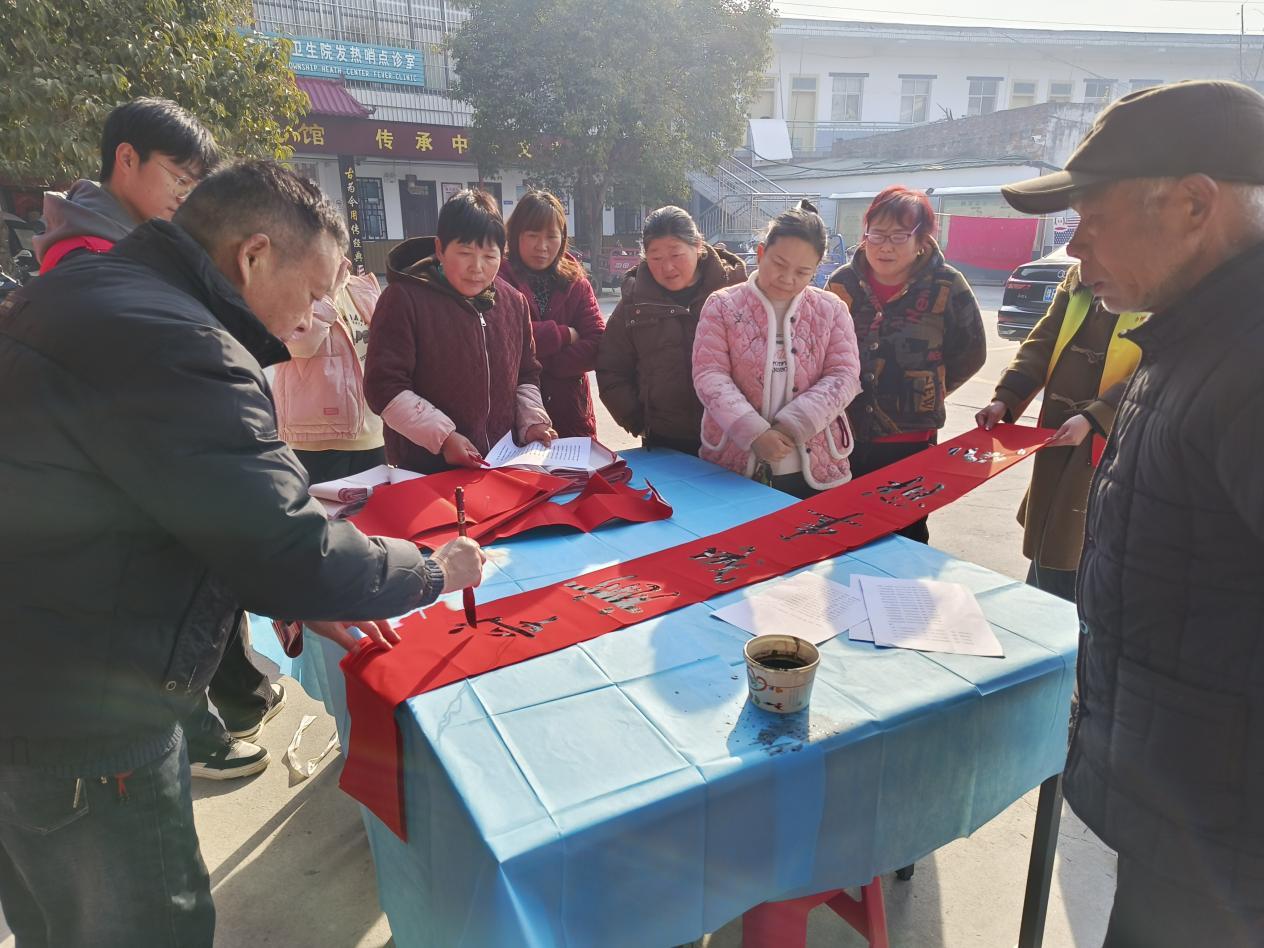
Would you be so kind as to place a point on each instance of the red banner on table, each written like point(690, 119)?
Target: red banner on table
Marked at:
point(438, 648)
point(499, 503)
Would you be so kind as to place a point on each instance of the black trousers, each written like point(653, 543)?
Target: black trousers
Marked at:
point(240, 691)
point(796, 485)
point(869, 457)
point(1152, 912)
point(330, 465)
point(1059, 582)
point(683, 445)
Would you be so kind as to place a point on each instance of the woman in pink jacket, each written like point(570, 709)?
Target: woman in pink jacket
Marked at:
point(775, 365)
point(321, 410)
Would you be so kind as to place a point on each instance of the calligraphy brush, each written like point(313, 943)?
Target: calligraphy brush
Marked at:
point(467, 594)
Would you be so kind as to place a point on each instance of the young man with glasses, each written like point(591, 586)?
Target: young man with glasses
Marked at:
point(153, 154)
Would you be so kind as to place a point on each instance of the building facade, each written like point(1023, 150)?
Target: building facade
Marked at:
point(832, 81)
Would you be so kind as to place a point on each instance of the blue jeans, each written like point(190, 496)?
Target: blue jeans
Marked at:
point(107, 862)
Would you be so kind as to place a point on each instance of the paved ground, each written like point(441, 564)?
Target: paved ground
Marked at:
point(290, 865)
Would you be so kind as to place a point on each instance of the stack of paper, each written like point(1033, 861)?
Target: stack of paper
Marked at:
point(339, 497)
point(919, 614)
point(928, 616)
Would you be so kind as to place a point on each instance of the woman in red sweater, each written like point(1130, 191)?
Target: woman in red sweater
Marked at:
point(565, 321)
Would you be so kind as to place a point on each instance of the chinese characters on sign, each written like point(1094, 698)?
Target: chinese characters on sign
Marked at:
point(337, 135)
point(333, 59)
point(347, 175)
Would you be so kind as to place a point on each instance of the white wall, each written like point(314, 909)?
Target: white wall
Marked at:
point(884, 57)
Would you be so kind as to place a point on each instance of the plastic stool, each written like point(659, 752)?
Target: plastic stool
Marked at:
point(785, 924)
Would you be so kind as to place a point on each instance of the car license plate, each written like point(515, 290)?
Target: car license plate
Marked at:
point(1049, 292)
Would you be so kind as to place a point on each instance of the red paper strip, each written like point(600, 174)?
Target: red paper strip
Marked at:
point(438, 648)
point(599, 503)
point(421, 506)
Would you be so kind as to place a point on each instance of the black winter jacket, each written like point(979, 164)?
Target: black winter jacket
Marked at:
point(144, 499)
point(1167, 753)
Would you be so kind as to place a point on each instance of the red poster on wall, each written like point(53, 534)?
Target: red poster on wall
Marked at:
point(990, 243)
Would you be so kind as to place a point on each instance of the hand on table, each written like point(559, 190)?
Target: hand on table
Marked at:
point(1073, 432)
point(541, 432)
point(459, 451)
point(462, 562)
point(988, 417)
point(379, 632)
point(772, 445)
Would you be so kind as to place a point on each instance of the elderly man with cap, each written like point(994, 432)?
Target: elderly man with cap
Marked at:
point(1167, 749)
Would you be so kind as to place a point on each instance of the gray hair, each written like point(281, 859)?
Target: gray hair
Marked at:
point(1248, 197)
point(669, 221)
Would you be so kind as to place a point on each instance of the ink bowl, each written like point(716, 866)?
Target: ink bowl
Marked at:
point(780, 670)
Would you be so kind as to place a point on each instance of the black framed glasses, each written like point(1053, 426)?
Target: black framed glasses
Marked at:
point(898, 239)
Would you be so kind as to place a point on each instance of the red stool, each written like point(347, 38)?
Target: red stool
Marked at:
point(785, 924)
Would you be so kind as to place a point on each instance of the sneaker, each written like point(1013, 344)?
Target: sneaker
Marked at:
point(229, 761)
point(274, 708)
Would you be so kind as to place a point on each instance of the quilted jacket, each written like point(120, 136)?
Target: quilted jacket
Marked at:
point(732, 359)
point(916, 349)
point(439, 362)
point(644, 375)
point(319, 393)
point(1167, 752)
point(564, 365)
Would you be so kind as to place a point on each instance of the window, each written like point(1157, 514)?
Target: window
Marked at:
point(764, 105)
point(1097, 90)
point(372, 208)
point(627, 219)
point(914, 99)
point(1061, 91)
point(1022, 93)
point(983, 91)
point(848, 91)
point(803, 84)
point(1138, 84)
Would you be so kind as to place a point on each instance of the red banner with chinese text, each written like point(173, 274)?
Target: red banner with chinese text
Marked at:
point(438, 648)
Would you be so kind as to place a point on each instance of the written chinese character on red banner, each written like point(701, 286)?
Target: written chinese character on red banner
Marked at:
point(338, 135)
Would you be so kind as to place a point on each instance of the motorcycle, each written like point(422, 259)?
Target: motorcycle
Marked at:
point(24, 267)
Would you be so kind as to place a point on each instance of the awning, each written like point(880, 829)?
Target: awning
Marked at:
point(330, 97)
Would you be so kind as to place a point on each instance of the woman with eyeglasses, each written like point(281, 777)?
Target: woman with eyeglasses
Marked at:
point(919, 331)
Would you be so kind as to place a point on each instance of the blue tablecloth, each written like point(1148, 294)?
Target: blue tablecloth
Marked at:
point(623, 791)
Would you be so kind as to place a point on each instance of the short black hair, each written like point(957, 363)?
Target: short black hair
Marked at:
point(804, 222)
point(669, 221)
point(471, 216)
point(259, 197)
point(151, 125)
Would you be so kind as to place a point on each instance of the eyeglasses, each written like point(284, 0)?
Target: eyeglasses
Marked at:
point(183, 182)
point(898, 239)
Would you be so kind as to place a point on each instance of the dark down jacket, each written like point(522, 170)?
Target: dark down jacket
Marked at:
point(1167, 753)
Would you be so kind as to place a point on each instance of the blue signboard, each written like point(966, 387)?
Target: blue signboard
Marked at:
point(334, 58)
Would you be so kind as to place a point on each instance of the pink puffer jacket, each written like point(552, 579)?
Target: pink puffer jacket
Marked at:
point(732, 356)
point(319, 393)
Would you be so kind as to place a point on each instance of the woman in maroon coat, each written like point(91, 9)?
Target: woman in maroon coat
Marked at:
point(565, 320)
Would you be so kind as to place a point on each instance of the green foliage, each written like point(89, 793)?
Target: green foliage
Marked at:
point(64, 64)
point(630, 94)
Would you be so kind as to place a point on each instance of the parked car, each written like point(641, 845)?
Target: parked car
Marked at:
point(1028, 293)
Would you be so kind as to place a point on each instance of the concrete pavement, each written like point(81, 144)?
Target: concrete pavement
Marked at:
point(290, 865)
